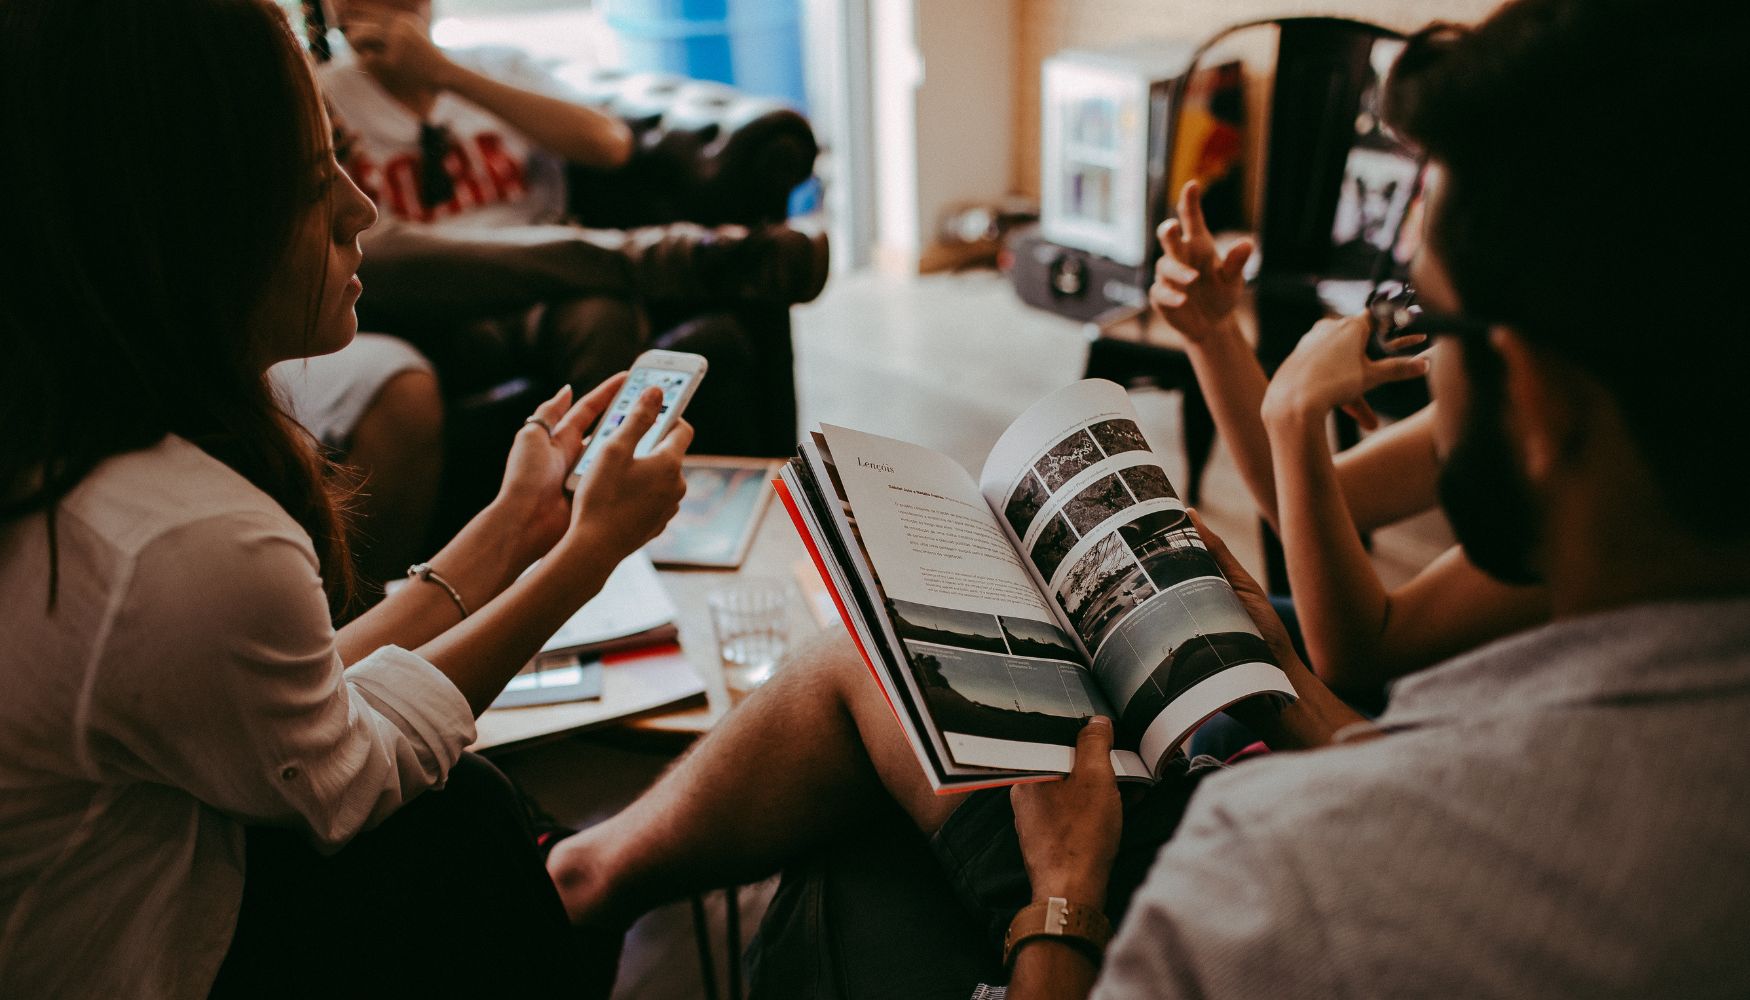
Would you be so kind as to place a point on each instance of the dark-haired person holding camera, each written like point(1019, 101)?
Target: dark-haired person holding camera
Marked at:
point(1560, 813)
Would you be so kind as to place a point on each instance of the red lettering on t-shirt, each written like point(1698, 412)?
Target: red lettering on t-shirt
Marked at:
point(481, 171)
point(401, 178)
point(502, 169)
point(468, 189)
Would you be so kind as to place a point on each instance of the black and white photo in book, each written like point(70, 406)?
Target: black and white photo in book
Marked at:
point(1091, 505)
point(1195, 632)
point(1054, 541)
point(948, 627)
point(1042, 639)
point(1104, 586)
point(1148, 482)
point(1168, 548)
point(1135, 583)
point(1116, 437)
point(1097, 503)
point(1067, 459)
point(1030, 495)
point(996, 677)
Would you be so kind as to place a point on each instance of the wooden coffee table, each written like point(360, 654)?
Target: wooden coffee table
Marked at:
point(776, 553)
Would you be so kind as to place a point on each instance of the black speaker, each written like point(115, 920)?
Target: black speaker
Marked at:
point(1071, 282)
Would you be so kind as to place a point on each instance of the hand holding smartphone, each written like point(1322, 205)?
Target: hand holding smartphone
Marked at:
point(677, 374)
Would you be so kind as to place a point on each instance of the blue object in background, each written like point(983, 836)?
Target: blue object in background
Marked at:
point(806, 198)
point(755, 45)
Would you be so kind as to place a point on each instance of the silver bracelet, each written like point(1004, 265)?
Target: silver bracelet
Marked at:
point(423, 571)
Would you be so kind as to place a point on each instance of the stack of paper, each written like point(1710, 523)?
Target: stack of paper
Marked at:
point(631, 612)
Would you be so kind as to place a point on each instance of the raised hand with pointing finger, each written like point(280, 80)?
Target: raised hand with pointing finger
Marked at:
point(1197, 289)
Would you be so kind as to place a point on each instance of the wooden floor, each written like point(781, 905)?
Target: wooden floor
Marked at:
point(946, 361)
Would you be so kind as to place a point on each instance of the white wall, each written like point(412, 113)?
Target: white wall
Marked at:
point(963, 119)
point(940, 74)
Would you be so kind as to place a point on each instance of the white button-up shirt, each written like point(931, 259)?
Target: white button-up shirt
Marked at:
point(183, 683)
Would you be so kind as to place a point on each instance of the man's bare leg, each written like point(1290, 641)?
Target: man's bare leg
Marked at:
point(802, 760)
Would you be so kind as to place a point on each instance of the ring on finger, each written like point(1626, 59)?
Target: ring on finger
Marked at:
point(542, 423)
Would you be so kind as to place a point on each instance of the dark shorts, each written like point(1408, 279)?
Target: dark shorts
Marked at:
point(447, 897)
point(842, 915)
point(981, 854)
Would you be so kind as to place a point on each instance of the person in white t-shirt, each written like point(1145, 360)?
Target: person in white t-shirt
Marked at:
point(464, 153)
point(376, 407)
point(499, 127)
point(205, 788)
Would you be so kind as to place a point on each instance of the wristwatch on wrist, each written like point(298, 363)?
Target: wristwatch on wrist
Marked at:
point(1073, 923)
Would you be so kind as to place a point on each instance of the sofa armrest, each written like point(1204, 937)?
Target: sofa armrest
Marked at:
point(703, 152)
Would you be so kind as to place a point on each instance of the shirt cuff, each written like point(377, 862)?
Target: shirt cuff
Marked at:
point(420, 700)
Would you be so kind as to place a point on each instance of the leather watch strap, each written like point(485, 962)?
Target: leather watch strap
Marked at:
point(1074, 923)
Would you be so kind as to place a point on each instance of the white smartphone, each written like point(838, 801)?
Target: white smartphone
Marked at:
point(677, 374)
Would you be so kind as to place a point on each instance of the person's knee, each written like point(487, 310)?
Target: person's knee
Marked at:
point(829, 664)
point(406, 416)
point(844, 680)
point(475, 778)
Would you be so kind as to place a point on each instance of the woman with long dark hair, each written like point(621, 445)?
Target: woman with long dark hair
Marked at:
point(183, 734)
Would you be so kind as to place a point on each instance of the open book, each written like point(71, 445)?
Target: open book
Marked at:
point(999, 615)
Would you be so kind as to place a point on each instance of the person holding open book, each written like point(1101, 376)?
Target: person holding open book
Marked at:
point(205, 789)
point(1554, 814)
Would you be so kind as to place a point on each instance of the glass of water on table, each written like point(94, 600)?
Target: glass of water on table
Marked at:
point(751, 619)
